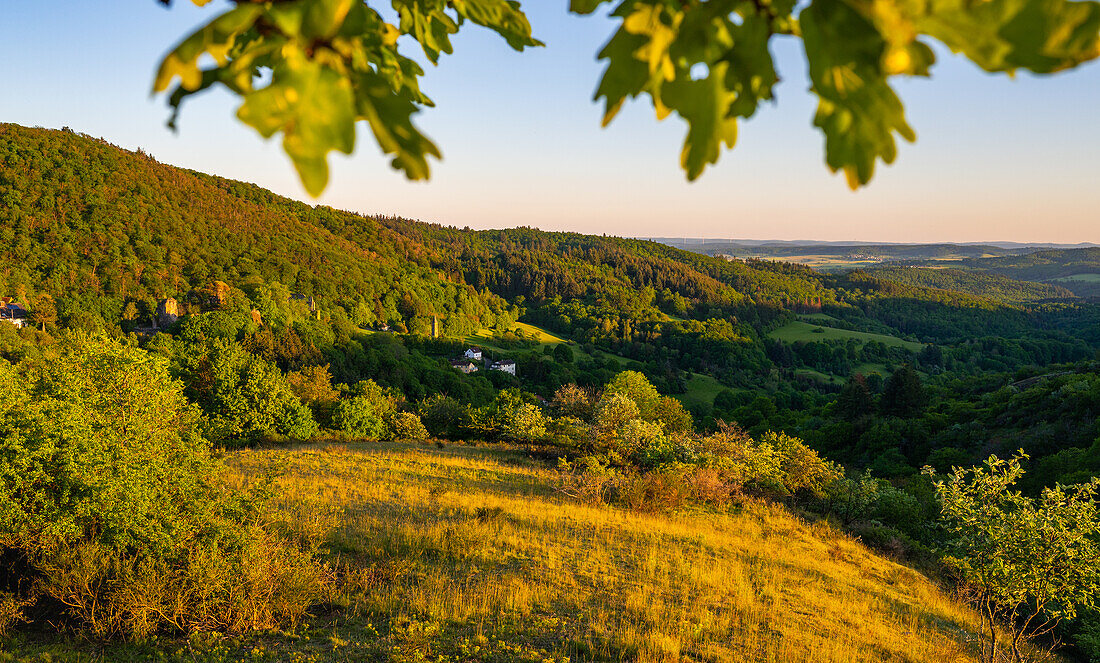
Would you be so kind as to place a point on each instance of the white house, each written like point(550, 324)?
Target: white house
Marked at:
point(464, 366)
point(473, 353)
point(506, 365)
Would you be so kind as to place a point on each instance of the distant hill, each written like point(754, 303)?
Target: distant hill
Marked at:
point(882, 250)
point(983, 284)
point(1077, 270)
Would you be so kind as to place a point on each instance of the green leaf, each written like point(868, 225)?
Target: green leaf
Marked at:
point(1043, 36)
point(389, 115)
point(215, 38)
point(857, 109)
point(314, 106)
point(704, 104)
point(501, 16)
point(585, 6)
point(428, 23)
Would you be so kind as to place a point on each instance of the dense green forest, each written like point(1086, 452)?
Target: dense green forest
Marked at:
point(983, 284)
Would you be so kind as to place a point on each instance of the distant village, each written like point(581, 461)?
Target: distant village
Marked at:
point(168, 312)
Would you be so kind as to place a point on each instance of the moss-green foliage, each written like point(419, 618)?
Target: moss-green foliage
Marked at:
point(113, 506)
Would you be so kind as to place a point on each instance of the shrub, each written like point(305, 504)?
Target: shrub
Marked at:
point(672, 414)
point(443, 416)
point(573, 401)
point(709, 487)
point(113, 504)
point(246, 398)
point(801, 468)
point(367, 411)
point(612, 411)
point(590, 479)
point(313, 385)
point(637, 388)
point(11, 610)
point(361, 417)
point(407, 426)
point(524, 423)
point(663, 490)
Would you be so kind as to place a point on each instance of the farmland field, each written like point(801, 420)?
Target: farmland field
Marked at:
point(805, 331)
point(1079, 278)
point(701, 390)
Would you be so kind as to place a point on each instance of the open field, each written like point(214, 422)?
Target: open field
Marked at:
point(804, 331)
point(818, 376)
point(485, 336)
point(701, 390)
point(827, 263)
point(1078, 278)
point(466, 554)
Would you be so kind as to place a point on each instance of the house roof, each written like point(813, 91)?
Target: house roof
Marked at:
point(11, 310)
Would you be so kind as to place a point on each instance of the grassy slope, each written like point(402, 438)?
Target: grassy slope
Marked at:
point(804, 331)
point(701, 390)
point(485, 336)
point(1084, 278)
point(464, 554)
point(550, 579)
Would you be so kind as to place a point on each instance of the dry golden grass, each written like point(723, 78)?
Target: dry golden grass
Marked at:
point(466, 554)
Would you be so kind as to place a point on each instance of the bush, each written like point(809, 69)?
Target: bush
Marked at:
point(113, 504)
point(407, 426)
point(361, 417)
point(367, 411)
point(524, 423)
point(246, 398)
point(663, 490)
point(443, 416)
point(11, 610)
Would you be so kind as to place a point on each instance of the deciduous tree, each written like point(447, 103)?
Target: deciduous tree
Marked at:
point(1027, 562)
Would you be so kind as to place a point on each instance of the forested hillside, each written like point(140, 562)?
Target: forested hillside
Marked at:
point(1077, 270)
point(983, 284)
point(94, 236)
point(95, 227)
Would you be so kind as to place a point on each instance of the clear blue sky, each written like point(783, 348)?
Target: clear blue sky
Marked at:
point(996, 158)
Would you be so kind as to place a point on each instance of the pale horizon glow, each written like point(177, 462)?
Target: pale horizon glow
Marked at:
point(997, 159)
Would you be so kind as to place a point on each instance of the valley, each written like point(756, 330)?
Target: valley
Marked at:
point(678, 456)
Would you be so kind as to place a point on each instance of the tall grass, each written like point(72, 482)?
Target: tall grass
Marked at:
point(470, 554)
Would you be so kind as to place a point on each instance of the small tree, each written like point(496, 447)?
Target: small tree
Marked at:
point(44, 312)
point(1026, 563)
point(904, 395)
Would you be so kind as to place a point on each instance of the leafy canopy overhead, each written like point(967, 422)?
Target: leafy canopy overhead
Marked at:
point(311, 69)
